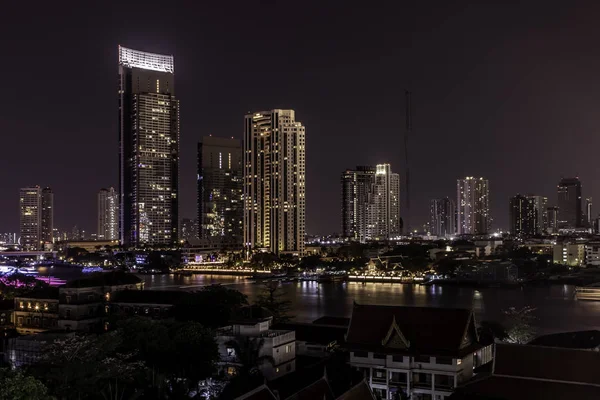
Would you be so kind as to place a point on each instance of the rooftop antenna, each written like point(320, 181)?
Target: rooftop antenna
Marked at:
point(408, 96)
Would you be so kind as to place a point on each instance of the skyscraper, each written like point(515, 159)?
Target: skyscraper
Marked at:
point(108, 214)
point(30, 217)
point(357, 188)
point(274, 181)
point(552, 220)
point(540, 203)
point(383, 213)
point(569, 203)
point(443, 214)
point(188, 229)
point(472, 198)
point(47, 216)
point(523, 216)
point(588, 212)
point(220, 188)
point(149, 148)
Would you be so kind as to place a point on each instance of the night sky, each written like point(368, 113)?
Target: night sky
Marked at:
point(510, 93)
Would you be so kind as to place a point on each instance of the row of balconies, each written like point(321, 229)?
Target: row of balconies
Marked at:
point(418, 380)
point(406, 361)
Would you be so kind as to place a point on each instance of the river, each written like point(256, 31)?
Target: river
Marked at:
point(557, 310)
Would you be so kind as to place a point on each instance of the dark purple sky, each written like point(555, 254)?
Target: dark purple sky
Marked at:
point(510, 93)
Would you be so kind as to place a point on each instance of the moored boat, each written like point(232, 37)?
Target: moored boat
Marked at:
point(590, 292)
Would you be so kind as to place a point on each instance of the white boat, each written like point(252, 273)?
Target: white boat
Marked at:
point(590, 292)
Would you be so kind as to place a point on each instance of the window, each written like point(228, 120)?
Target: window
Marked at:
point(379, 375)
point(288, 348)
point(90, 297)
point(68, 299)
point(458, 361)
point(398, 377)
point(230, 352)
point(443, 360)
point(444, 382)
point(68, 313)
point(398, 359)
point(20, 321)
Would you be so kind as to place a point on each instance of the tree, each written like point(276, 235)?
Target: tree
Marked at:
point(490, 331)
point(212, 306)
point(520, 325)
point(14, 385)
point(271, 298)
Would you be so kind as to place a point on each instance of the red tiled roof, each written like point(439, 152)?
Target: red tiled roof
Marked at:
point(429, 330)
point(550, 363)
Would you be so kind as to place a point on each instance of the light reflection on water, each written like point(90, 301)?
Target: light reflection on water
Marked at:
point(557, 308)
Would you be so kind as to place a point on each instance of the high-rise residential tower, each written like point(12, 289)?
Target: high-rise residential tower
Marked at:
point(149, 148)
point(588, 212)
point(383, 213)
point(540, 203)
point(108, 214)
point(357, 188)
point(47, 217)
point(220, 188)
point(30, 217)
point(552, 220)
point(274, 181)
point(523, 216)
point(443, 215)
point(569, 203)
point(473, 206)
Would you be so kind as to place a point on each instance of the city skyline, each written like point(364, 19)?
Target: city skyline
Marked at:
point(450, 111)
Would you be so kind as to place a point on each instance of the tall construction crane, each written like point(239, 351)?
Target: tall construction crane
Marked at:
point(407, 133)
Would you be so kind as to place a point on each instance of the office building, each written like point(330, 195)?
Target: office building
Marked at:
point(149, 148)
point(443, 215)
point(108, 214)
point(357, 187)
point(220, 188)
point(588, 213)
point(274, 182)
point(523, 216)
point(47, 215)
point(30, 217)
point(383, 214)
point(188, 230)
point(540, 204)
point(569, 203)
point(473, 206)
point(552, 220)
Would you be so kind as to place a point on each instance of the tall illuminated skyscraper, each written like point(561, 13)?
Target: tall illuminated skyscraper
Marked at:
point(149, 148)
point(30, 217)
point(383, 213)
point(47, 215)
point(108, 214)
point(523, 216)
point(357, 187)
point(443, 216)
point(274, 182)
point(220, 187)
point(540, 204)
point(473, 206)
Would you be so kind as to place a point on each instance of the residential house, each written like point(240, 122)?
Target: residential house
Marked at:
point(420, 352)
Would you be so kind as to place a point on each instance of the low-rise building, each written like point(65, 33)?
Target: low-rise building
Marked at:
point(250, 331)
point(37, 311)
point(571, 254)
point(592, 253)
point(421, 352)
point(155, 304)
point(536, 372)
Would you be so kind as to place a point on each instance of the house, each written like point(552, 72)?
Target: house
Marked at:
point(584, 340)
point(423, 352)
point(250, 330)
point(155, 304)
point(522, 372)
point(83, 304)
point(36, 311)
point(318, 338)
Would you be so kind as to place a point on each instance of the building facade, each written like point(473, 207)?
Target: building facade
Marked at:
point(220, 188)
point(443, 217)
point(36, 218)
point(383, 211)
point(523, 216)
point(108, 214)
point(357, 188)
point(552, 220)
point(589, 217)
point(149, 148)
point(570, 214)
point(473, 206)
point(540, 204)
point(274, 182)
point(47, 222)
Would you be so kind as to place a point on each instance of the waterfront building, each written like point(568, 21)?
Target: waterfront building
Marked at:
point(250, 325)
point(36, 311)
point(416, 352)
point(523, 216)
point(540, 205)
point(108, 214)
point(569, 203)
point(570, 254)
point(443, 215)
point(220, 188)
point(552, 220)
point(149, 148)
point(473, 206)
point(30, 207)
point(47, 218)
point(274, 182)
point(357, 187)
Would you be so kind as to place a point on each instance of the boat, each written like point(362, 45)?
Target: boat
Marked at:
point(590, 292)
